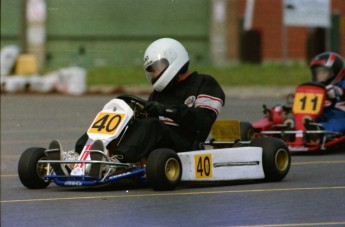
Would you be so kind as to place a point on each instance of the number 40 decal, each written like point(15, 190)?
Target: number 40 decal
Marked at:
point(203, 166)
point(106, 123)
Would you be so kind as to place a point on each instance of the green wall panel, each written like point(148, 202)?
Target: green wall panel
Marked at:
point(113, 32)
point(110, 53)
point(128, 17)
point(10, 17)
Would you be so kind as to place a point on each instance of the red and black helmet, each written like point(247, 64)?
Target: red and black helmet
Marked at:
point(329, 62)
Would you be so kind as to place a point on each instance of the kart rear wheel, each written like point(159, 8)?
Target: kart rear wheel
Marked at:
point(276, 157)
point(30, 171)
point(163, 169)
point(247, 131)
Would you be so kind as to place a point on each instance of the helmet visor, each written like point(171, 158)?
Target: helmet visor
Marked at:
point(156, 69)
point(321, 74)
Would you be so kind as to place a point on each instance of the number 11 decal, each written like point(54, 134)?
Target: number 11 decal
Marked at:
point(307, 103)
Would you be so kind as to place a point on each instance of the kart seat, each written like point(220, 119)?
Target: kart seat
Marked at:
point(226, 131)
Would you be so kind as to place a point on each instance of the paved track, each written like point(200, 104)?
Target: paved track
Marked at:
point(313, 193)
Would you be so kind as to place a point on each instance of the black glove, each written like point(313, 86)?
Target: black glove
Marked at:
point(156, 109)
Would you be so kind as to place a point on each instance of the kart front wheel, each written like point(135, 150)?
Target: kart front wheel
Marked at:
point(30, 171)
point(163, 169)
point(275, 156)
point(247, 131)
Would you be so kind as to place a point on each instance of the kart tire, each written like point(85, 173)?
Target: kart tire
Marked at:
point(163, 169)
point(276, 157)
point(30, 172)
point(247, 131)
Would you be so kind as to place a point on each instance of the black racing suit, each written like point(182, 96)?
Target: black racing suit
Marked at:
point(197, 100)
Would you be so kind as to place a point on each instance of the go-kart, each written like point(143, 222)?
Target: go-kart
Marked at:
point(288, 122)
point(227, 159)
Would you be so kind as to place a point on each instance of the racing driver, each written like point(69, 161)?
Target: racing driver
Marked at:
point(182, 107)
point(328, 68)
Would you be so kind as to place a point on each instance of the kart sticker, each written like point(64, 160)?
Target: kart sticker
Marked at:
point(203, 166)
point(307, 103)
point(106, 123)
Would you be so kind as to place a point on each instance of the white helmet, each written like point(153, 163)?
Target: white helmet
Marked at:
point(163, 59)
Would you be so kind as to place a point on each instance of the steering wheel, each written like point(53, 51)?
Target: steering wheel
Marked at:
point(137, 104)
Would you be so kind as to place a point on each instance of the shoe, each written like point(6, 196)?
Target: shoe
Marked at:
point(70, 155)
point(314, 138)
point(54, 153)
point(110, 169)
point(96, 170)
point(312, 125)
point(114, 159)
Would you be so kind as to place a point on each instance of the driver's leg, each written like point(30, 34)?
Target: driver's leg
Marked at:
point(146, 135)
point(334, 121)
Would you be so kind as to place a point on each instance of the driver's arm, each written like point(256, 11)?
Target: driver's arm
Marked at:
point(193, 119)
point(198, 118)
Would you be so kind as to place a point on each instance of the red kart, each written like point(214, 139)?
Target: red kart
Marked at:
point(288, 122)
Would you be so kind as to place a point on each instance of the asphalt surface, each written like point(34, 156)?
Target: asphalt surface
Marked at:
point(312, 194)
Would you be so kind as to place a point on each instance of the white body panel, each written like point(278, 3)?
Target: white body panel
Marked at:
point(113, 106)
point(222, 164)
point(117, 106)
